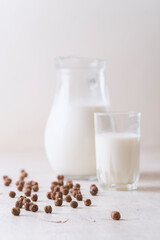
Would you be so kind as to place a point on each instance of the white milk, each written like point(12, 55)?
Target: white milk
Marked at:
point(69, 140)
point(117, 158)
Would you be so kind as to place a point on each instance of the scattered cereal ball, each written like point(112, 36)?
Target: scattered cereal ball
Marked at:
point(33, 208)
point(48, 195)
point(20, 187)
point(60, 177)
point(53, 195)
point(7, 181)
point(74, 204)
point(27, 206)
point(35, 188)
point(27, 192)
point(21, 198)
point(26, 200)
point(12, 194)
point(65, 191)
point(16, 211)
point(58, 202)
point(115, 215)
point(79, 197)
point(58, 195)
point(48, 209)
point(69, 184)
point(68, 198)
point(94, 191)
point(18, 204)
point(87, 202)
point(60, 182)
point(34, 197)
point(77, 185)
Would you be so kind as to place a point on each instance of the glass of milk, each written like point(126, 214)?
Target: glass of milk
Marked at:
point(117, 141)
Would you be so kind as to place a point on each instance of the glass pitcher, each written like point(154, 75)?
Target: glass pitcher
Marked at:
point(69, 136)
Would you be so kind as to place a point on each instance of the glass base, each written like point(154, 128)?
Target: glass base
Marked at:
point(126, 187)
point(80, 177)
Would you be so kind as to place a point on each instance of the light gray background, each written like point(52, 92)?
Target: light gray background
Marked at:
point(32, 32)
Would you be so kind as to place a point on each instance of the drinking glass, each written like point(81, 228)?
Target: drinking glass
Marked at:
point(117, 141)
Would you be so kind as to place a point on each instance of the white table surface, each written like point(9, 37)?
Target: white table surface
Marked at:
point(140, 209)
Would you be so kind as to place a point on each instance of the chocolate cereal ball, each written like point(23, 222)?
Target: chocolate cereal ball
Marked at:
point(20, 187)
point(27, 192)
point(48, 209)
point(12, 194)
point(87, 202)
point(58, 202)
point(34, 197)
point(60, 177)
point(33, 208)
point(79, 197)
point(26, 200)
point(115, 215)
point(27, 206)
point(15, 211)
point(35, 188)
point(48, 195)
point(94, 191)
point(68, 198)
point(74, 204)
point(18, 204)
point(69, 184)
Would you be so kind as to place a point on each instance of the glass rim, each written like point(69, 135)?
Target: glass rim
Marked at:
point(75, 62)
point(118, 113)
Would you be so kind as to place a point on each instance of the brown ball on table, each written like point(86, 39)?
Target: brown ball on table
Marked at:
point(69, 184)
point(60, 182)
point(15, 211)
point(53, 195)
point(58, 202)
point(48, 195)
point(48, 209)
point(87, 202)
point(27, 192)
point(65, 191)
point(94, 191)
point(20, 187)
point(18, 204)
point(7, 181)
point(58, 195)
point(34, 197)
point(79, 197)
point(68, 198)
point(77, 185)
point(21, 198)
point(35, 188)
point(27, 206)
point(60, 177)
point(33, 208)
point(115, 215)
point(12, 194)
point(74, 204)
point(26, 200)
